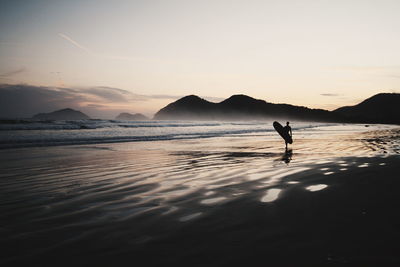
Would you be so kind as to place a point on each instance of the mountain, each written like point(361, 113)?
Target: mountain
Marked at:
point(380, 108)
point(188, 107)
point(131, 117)
point(240, 107)
point(62, 114)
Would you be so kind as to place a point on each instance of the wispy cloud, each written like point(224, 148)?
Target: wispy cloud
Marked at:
point(175, 97)
point(165, 96)
point(368, 68)
point(22, 100)
point(75, 43)
point(93, 53)
point(394, 76)
point(330, 94)
point(13, 72)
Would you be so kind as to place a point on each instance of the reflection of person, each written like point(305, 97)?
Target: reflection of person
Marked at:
point(287, 157)
point(288, 130)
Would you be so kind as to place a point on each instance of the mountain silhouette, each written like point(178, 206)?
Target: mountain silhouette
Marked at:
point(188, 107)
point(62, 114)
point(131, 117)
point(240, 107)
point(380, 108)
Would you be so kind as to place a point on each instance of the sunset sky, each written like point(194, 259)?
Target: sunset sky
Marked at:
point(105, 57)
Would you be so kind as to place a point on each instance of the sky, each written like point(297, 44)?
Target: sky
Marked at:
point(137, 56)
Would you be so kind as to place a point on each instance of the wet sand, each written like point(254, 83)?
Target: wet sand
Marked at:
point(222, 202)
point(350, 222)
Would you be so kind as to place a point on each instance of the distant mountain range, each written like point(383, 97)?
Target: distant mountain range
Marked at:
point(381, 108)
point(62, 114)
point(131, 117)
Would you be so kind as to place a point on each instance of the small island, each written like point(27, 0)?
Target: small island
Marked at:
point(62, 114)
point(131, 117)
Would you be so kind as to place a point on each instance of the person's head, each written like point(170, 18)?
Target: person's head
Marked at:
point(287, 123)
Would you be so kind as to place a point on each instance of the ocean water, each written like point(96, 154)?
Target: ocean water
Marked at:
point(50, 133)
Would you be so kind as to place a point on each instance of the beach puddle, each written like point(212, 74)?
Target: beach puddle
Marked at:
point(255, 176)
point(293, 182)
point(211, 201)
point(316, 187)
point(170, 210)
point(343, 169)
point(363, 165)
point(323, 162)
point(190, 217)
point(271, 195)
point(382, 164)
point(328, 173)
point(287, 173)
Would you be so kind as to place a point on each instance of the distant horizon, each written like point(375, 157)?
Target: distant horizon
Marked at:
point(41, 99)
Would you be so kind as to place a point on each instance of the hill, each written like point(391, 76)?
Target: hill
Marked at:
point(240, 107)
point(131, 117)
point(62, 114)
point(380, 108)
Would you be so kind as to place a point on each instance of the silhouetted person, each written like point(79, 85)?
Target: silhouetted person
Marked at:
point(288, 130)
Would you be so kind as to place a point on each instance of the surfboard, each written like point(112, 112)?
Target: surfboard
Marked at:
point(279, 128)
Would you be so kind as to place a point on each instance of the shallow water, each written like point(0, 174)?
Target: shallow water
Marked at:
point(111, 195)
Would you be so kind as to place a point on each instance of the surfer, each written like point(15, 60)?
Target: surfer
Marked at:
point(288, 130)
point(284, 132)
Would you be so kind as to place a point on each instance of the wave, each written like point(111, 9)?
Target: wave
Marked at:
point(24, 125)
point(35, 142)
point(54, 133)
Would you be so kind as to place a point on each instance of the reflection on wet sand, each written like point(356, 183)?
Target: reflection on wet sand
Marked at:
point(271, 195)
point(316, 187)
point(287, 156)
point(123, 197)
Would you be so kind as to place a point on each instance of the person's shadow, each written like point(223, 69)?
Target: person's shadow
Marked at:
point(287, 156)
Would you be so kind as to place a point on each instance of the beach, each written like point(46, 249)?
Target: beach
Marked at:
point(202, 198)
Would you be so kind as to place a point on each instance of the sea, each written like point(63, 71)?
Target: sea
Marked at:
point(25, 133)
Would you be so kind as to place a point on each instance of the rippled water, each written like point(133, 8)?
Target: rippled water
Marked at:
point(111, 195)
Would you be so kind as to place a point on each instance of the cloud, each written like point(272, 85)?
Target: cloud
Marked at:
point(13, 72)
point(368, 68)
point(394, 76)
point(165, 96)
point(22, 100)
point(6, 76)
point(75, 43)
point(175, 97)
point(26, 100)
point(91, 52)
point(331, 95)
point(111, 94)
